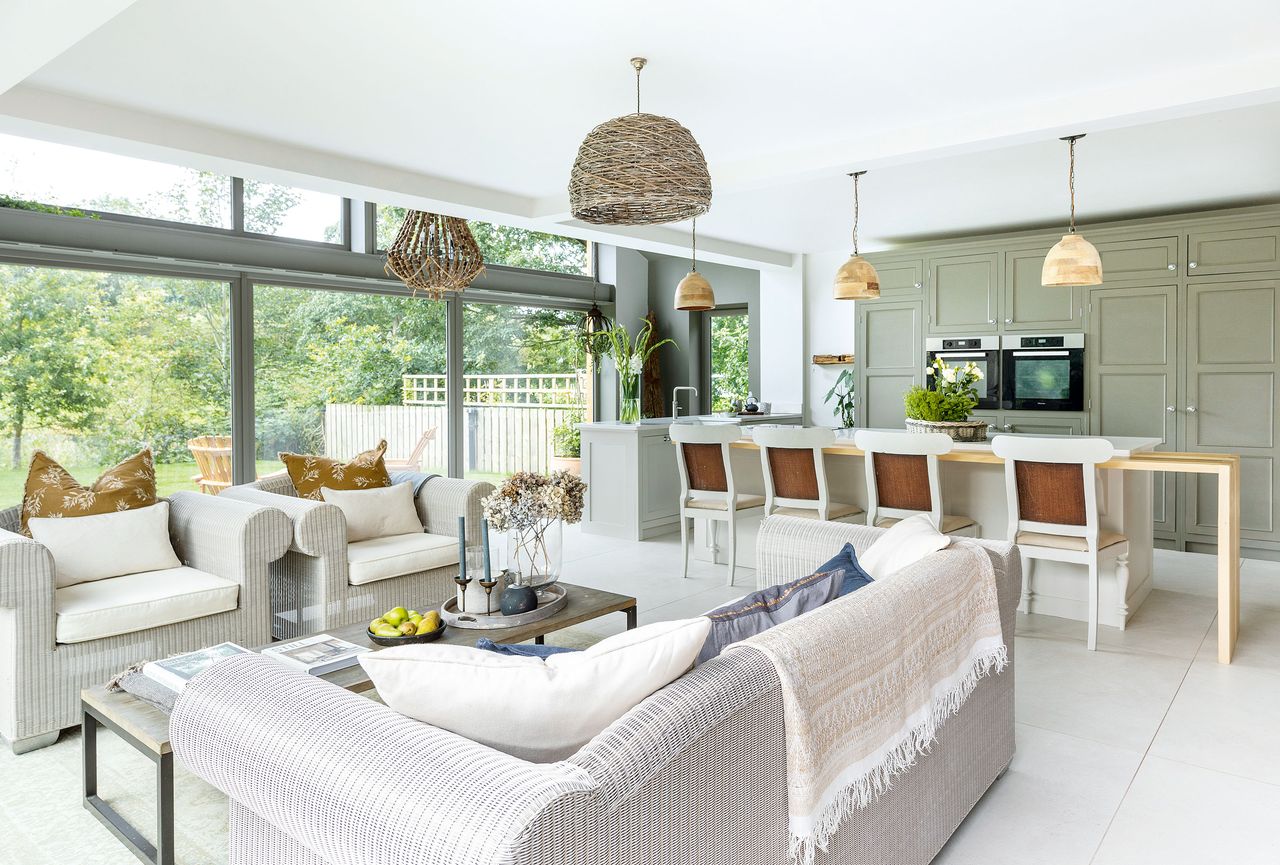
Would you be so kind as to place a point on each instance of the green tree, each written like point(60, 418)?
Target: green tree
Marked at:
point(51, 357)
point(730, 360)
point(505, 244)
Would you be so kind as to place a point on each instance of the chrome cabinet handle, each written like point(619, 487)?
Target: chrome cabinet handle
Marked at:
point(1008, 427)
point(1008, 321)
point(1192, 265)
point(1191, 409)
point(1170, 409)
point(991, 321)
point(1173, 267)
point(917, 285)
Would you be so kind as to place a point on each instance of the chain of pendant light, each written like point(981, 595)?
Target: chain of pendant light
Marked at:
point(1071, 180)
point(855, 175)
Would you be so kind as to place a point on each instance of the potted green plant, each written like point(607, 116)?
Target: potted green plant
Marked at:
point(947, 406)
point(566, 446)
point(842, 394)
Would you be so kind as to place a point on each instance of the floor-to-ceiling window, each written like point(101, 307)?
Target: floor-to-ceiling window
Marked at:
point(95, 365)
point(335, 372)
point(525, 387)
point(728, 356)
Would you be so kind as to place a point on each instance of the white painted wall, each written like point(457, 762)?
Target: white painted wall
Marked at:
point(782, 337)
point(829, 325)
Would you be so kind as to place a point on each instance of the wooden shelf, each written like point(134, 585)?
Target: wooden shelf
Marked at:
point(833, 359)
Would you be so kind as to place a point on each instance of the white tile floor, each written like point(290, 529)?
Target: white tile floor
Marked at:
point(1146, 751)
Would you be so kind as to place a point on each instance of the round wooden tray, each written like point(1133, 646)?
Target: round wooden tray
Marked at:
point(556, 598)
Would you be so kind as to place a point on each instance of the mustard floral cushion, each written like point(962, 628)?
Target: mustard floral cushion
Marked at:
point(310, 473)
point(51, 491)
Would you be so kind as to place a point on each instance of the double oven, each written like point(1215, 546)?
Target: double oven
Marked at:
point(1021, 372)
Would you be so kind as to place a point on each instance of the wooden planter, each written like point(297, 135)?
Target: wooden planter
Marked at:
point(568, 464)
point(960, 430)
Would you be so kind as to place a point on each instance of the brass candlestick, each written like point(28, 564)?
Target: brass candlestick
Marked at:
point(462, 581)
point(487, 584)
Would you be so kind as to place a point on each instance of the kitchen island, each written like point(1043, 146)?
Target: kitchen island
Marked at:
point(633, 490)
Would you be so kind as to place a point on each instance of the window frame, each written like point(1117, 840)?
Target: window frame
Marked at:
point(725, 311)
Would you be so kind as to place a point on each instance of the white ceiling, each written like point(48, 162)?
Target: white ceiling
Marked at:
point(955, 107)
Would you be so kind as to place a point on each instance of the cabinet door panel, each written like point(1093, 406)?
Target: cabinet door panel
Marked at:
point(659, 479)
point(1122, 260)
point(962, 293)
point(1031, 305)
point(1239, 251)
point(1233, 384)
point(890, 358)
point(1133, 375)
point(900, 278)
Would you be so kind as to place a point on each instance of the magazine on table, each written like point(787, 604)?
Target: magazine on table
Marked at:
point(317, 655)
point(175, 672)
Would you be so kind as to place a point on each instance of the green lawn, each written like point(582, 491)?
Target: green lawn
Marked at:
point(170, 477)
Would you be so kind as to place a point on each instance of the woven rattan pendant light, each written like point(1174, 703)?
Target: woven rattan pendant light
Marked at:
point(856, 279)
point(434, 254)
point(1073, 260)
point(694, 293)
point(639, 169)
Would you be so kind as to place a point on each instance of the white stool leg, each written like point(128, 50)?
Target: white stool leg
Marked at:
point(1122, 587)
point(733, 545)
point(1093, 604)
point(684, 542)
point(1027, 594)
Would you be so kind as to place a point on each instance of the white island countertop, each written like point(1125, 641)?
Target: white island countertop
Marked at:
point(789, 418)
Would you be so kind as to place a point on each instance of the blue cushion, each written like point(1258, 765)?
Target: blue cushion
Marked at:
point(529, 651)
point(854, 576)
point(765, 608)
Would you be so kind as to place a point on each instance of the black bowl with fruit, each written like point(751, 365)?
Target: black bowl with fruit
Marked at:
point(401, 627)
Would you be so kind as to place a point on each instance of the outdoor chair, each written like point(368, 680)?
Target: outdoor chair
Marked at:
point(414, 461)
point(213, 458)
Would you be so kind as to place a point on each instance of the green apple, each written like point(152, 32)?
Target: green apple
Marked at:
point(396, 617)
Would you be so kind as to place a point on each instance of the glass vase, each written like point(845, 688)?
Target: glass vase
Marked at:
point(629, 405)
point(535, 555)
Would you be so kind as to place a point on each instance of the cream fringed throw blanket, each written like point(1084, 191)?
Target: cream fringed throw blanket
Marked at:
point(867, 681)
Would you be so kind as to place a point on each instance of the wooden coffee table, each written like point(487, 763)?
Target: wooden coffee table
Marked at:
point(146, 727)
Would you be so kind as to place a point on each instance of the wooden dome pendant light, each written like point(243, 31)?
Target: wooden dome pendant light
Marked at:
point(856, 279)
point(1073, 260)
point(694, 293)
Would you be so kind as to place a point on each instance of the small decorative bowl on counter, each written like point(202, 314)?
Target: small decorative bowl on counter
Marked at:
point(428, 637)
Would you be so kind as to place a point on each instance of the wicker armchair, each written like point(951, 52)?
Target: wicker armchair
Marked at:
point(695, 774)
point(311, 586)
point(41, 679)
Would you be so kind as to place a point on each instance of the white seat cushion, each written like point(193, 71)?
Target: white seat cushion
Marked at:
point(744, 501)
point(950, 522)
point(1068, 542)
point(138, 602)
point(835, 510)
point(397, 555)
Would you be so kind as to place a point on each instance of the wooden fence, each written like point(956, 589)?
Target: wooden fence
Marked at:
point(509, 421)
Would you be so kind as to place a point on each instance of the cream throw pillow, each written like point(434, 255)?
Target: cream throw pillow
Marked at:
point(376, 513)
point(535, 709)
point(106, 545)
point(904, 543)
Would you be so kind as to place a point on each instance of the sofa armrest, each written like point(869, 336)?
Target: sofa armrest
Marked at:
point(26, 576)
point(231, 539)
point(350, 779)
point(443, 500)
point(788, 548)
point(319, 529)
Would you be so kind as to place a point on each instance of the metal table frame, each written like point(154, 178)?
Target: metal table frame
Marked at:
point(160, 853)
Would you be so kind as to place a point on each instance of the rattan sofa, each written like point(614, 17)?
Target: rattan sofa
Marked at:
point(694, 774)
point(311, 587)
point(41, 679)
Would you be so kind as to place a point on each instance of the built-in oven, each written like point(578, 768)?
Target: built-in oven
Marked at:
point(1044, 372)
point(984, 351)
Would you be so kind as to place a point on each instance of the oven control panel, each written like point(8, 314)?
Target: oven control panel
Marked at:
point(1041, 342)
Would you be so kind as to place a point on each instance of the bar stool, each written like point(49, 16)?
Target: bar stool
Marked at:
point(1053, 510)
point(795, 474)
point(903, 479)
point(707, 487)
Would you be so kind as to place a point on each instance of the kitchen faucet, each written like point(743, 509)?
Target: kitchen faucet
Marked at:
point(675, 400)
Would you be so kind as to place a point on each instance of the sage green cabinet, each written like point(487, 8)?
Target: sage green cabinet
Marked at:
point(962, 293)
point(1242, 250)
point(900, 278)
point(890, 358)
point(1132, 369)
point(1232, 396)
point(1031, 306)
point(1042, 423)
point(1149, 258)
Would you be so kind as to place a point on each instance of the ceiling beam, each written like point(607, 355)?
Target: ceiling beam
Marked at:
point(37, 31)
